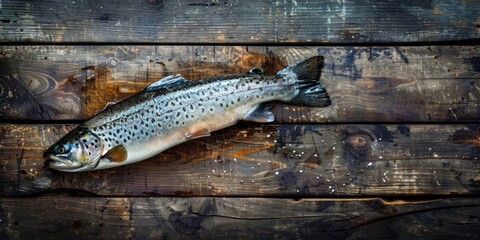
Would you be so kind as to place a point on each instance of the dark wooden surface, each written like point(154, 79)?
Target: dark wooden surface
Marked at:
point(238, 218)
point(395, 156)
point(266, 160)
point(367, 84)
point(200, 21)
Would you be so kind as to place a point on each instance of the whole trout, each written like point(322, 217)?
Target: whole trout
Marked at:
point(174, 110)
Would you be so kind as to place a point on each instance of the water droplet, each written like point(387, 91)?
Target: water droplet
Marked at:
point(301, 171)
point(380, 157)
point(369, 164)
point(234, 159)
point(276, 173)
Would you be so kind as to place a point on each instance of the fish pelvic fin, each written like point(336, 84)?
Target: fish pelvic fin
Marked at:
point(198, 134)
point(310, 92)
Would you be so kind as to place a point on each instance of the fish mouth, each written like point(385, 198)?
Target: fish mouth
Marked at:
point(61, 163)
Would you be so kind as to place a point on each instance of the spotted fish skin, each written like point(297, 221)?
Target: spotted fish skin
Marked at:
point(174, 110)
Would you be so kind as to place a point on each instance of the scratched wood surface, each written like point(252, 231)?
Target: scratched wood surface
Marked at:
point(403, 127)
point(367, 84)
point(233, 21)
point(266, 160)
point(237, 218)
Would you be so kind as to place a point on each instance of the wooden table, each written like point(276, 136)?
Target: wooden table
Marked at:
point(397, 155)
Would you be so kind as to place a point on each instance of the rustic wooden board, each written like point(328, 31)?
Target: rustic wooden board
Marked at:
point(194, 21)
point(266, 160)
point(53, 217)
point(367, 84)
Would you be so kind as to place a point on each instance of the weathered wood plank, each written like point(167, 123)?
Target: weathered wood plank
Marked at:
point(196, 21)
point(367, 84)
point(56, 217)
point(266, 160)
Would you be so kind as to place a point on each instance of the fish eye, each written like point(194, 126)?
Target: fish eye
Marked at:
point(62, 149)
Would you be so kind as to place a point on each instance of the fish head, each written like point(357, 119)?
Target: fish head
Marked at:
point(79, 150)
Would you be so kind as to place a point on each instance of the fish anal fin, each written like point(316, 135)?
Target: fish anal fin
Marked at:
point(117, 154)
point(260, 113)
point(203, 132)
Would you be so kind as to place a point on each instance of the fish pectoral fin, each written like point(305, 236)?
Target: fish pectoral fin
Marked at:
point(198, 134)
point(169, 81)
point(117, 154)
point(260, 113)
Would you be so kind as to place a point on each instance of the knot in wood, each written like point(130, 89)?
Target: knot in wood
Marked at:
point(112, 62)
point(359, 141)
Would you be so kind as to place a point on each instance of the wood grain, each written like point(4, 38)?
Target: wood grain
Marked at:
point(266, 160)
point(53, 217)
point(366, 84)
point(193, 21)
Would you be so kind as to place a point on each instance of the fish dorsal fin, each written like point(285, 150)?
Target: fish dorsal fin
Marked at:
point(169, 81)
point(256, 71)
point(260, 113)
point(117, 154)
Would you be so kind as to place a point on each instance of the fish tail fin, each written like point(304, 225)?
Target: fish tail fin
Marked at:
point(310, 91)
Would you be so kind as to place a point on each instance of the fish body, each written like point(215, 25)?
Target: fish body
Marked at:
point(174, 110)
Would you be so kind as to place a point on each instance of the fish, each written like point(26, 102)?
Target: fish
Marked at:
point(174, 110)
